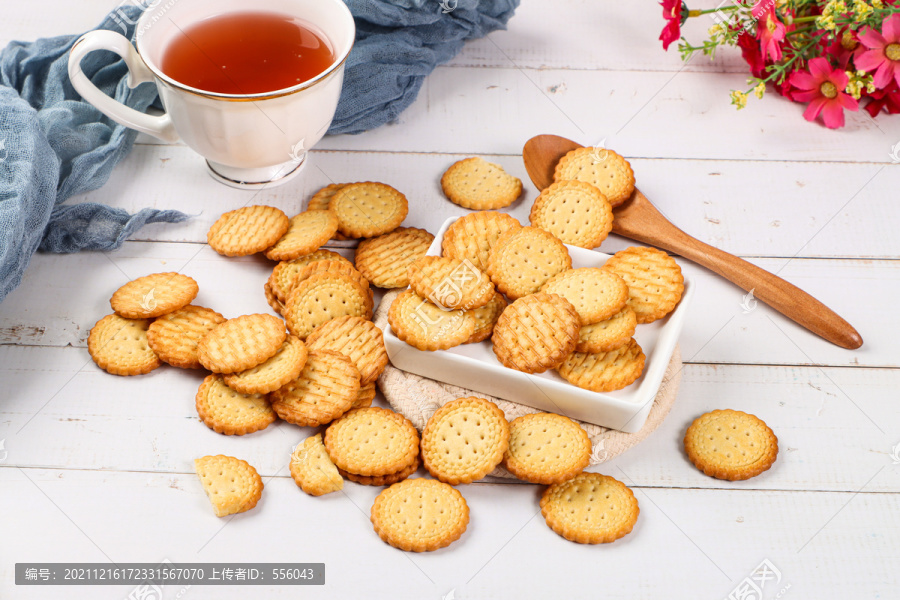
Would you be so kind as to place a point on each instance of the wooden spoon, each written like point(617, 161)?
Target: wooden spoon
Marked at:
point(639, 220)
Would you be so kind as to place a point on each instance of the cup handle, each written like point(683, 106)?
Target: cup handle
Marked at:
point(160, 127)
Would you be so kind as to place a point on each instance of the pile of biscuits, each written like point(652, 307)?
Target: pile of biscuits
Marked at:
point(495, 279)
point(515, 284)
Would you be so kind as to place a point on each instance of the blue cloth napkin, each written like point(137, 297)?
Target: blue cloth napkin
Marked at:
point(54, 145)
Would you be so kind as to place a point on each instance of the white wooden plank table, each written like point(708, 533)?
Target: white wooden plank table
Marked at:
point(98, 468)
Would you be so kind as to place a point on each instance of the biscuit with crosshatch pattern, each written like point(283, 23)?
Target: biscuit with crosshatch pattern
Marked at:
point(272, 299)
point(730, 444)
point(356, 338)
point(372, 442)
point(604, 371)
point(590, 508)
point(227, 411)
point(464, 440)
point(472, 236)
point(247, 230)
point(477, 184)
point(382, 480)
point(282, 278)
point(546, 448)
point(154, 295)
point(312, 469)
point(283, 366)
point(365, 396)
point(330, 266)
point(654, 279)
point(450, 282)
point(306, 233)
point(536, 333)
point(241, 343)
point(368, 209)
point(420, 515)
point(574, 211)
point(524, 259)
point(596, 294)
point(175, 336)
point(384, 260)
point(423, 325)
point(607, 335)
point(486, 317)
point(604, 169)
point(321, 200)
point(327, 387)
point(322, 297)
point(231, 484)
point(119, 346)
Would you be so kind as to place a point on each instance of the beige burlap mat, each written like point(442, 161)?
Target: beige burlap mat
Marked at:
point(417, 398)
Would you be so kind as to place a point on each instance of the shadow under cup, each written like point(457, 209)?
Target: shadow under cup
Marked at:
point(248, 140)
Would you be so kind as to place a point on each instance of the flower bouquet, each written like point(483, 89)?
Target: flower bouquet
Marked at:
point(835, 55)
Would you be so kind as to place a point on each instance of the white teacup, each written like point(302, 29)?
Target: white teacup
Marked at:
point(247, 140)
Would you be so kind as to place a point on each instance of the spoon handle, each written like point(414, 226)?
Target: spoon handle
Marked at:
point(784, 297)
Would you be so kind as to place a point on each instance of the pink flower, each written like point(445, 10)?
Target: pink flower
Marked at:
point(769, 30)
point(672, 15)
point(823, 88)
point(883, 54)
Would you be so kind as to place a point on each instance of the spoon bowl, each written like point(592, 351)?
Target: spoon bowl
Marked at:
point(639, 220)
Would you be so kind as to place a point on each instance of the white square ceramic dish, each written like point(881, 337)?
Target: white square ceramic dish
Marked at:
point(474, 366)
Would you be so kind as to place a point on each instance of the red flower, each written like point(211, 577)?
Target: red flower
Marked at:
point(823, 88)
point(752, 54)
point(885, 99)
point(769, 30)
point(672, 15)
point(883, 54)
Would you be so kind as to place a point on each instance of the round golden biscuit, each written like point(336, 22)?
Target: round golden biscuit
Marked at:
point(472, 236)
point(368, 209)
point(420, 515)
point(604, 169)
point(730, 444)
point(654, 279)
point(283, 275)
point(175, 336)
point(423, 325)
point(365, 396)
point(372, 442)
point(536, 333)
point(524, 259)
point(597, 294)
point(284, 366)
point(272, 299)
point(321, 200)
point(464, 440)
point(242, 343)
point(225, 410)
point(590, 508)
point(607, 335)
point(331, 266)
point(356, 338)
point(574, 211)
point(384, 260)
point(546, 448)
point(119, 346)
point(450, 283)
point(326, 388)
point(312, 470)
point(486, 317)
point(247, 230)
point(477, 184)
point(604, 371)
point(382, 480)
point(306, 233)
point(231, 484)
point(322, 297)
point(154, 295)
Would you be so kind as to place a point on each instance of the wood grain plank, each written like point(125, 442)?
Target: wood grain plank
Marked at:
point(62, 296)
point(748, 208)
point(149, 423)
point(711, 549)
